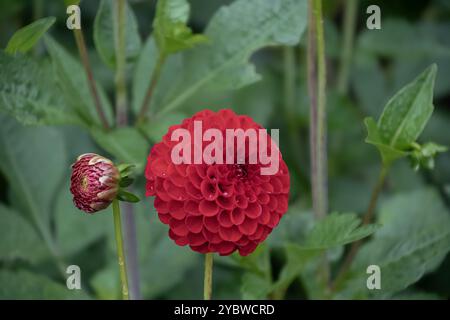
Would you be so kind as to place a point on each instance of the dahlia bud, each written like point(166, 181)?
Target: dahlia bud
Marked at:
point(94, 182)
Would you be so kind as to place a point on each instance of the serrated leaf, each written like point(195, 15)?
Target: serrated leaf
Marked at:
point(74, 85)
point(27, 285)
point(170, 29)
point(413, 241)
point(408, 111)
point(234, 34)
point(126, 144)
point(29, 93)
point(19, 238)
point(104, 33)
point(25, 38)
point(337, 229)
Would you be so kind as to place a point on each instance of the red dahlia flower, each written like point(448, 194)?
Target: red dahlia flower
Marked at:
point(216, 207)
point(94, 182)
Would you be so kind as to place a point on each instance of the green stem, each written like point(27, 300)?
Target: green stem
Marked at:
point(120, 250)
point(351, 7)
point(120, 45)
point(207, 289)
point(317, 80)
point(368, 217)
point(79, 39)
point(151, 88)
point(318, 132)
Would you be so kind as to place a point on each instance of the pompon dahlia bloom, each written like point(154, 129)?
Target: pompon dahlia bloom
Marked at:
point(94, 182)
point(216, 207)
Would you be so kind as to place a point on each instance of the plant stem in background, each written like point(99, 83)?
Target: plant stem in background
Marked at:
point(122, 121)
point(368, 217)
point(318, 131)
point(351, 7)
point(79, 39)
point(318, 141)
point(120, 251)
point(151, 88)
point(207, 289)
point(120, 81)
point(131, 250)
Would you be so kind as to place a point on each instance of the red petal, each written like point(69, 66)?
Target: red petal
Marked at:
point(208, 208)
point(194, 223)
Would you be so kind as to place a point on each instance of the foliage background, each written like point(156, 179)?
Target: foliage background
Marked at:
point(35, 160)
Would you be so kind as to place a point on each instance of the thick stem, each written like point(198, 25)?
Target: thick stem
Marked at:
point(317, 86)
point(351, 7)
point(79, 39)
point(207, 289)
point(120, 51)
point(151, 88)
point(318, 147)
point(120, 251)
point(368, 217)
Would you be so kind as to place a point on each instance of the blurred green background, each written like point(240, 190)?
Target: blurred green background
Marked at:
point(414, 34)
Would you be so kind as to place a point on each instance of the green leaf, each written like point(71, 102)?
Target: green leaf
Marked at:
point(27, 285)
point(29, 93)
point(104, 33)
point(337, 229)
point(33, 160)
point(408, 111)
point(388, 153)
point(170, 29)
point(126, 144)
point(297, 257)
point(414, 240)
point(127, 196)
point(71, 2)
point(19, 238)
point(235, 33)
point(25, 38)
point(126, 182)
point(404, 117)
point(74, 85)
point(255, 286)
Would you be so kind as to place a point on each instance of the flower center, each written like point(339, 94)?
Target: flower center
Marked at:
point(84, 183)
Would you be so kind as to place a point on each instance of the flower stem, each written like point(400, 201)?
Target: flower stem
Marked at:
point(207, 289)
point(120, 251)
point(129, 231)
point(351, 7)
point(368, 217)
point(120, 81)
point(318, 131)
point(151, 88)
point(79, 39)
